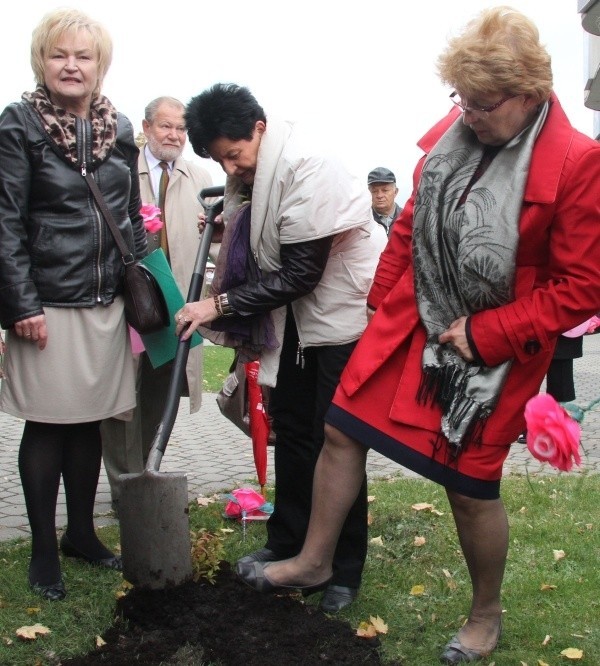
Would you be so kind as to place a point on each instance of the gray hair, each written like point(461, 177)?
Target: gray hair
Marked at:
point(153, 106)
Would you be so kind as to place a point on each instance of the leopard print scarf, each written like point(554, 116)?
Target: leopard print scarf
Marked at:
point(60, 125)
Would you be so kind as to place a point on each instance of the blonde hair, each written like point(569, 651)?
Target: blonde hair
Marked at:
point(54, 25)
point(498, 52)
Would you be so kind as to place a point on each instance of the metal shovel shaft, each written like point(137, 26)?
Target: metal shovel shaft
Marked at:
point(165, 427)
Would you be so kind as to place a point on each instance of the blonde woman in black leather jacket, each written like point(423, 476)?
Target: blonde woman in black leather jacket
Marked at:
point(68, 363)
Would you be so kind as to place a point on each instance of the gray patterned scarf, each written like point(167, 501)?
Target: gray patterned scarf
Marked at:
point(464, 252)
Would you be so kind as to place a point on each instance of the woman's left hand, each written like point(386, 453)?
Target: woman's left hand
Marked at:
point(456, 336)
point(33, 329)
point(193, 315)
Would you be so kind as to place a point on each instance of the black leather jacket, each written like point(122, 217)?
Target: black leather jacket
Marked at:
point(55, 247)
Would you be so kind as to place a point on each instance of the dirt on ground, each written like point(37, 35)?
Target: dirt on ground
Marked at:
point(226, 624)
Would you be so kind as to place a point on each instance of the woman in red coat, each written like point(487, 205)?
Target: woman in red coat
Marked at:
point(494, 256)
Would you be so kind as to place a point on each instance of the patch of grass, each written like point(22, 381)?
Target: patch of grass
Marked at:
point(217, 361)
point(546, 513)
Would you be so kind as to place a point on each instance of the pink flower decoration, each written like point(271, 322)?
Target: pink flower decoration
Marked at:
point(552, 435)
point(245, 502)
point(593, 324)
point(151, 216)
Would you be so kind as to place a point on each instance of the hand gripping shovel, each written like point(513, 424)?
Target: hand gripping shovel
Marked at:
point(153, 506)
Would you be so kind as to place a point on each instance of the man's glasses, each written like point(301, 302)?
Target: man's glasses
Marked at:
point(482, 109)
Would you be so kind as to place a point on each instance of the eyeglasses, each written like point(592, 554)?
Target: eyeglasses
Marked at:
point(482, 109)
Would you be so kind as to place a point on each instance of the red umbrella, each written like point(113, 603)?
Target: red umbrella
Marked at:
point(259, 424)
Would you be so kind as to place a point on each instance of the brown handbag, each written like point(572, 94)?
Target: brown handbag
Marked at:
point(145, 306)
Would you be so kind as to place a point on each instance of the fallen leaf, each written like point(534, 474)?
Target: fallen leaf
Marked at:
point(32, 610)
point(226, 530)
point(589, 526)
point(436, 512)
point(523, 509)
point(205, 501)
point(7, 641)
point(578, 635)
point(547, 639)
point(422, 506)
point(369, 518)
point(419, 541)
point(31, 632)
point(417, 590)
point(542, 663)
point(119, 594)
point(380, 626)
point(544, 587)
point(572, 653)
point(100, 641)
point(447, 573)
point(371, 498)
point(366, 630)
point(376, 541)
point(558, 555)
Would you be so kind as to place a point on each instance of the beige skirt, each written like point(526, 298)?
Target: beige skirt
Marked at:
point(85, 373)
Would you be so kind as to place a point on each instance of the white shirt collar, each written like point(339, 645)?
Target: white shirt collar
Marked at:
point(153, 162)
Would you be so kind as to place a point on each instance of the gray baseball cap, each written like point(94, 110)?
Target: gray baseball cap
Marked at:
point(381, 175)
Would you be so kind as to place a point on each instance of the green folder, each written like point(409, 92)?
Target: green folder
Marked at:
point(161, 346)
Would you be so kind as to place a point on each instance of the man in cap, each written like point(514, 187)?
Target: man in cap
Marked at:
point(382, 186)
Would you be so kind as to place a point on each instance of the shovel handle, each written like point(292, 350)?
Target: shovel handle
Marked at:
point(165, 427)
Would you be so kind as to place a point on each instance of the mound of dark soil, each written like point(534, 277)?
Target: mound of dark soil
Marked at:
point(226, 624)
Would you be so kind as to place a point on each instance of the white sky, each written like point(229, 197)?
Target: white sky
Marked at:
point(362, 73)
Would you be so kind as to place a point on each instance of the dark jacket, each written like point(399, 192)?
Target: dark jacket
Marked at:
point(380, 218)
point(55, 247)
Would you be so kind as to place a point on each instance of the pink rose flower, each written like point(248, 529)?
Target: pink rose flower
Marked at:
point(151, 216)
point(552, 435)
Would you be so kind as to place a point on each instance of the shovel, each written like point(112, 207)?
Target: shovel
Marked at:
point(153, 506)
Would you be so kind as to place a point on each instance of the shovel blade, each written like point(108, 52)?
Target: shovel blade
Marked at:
point(155, 529)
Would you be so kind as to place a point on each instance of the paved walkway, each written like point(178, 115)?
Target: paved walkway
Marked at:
point(218, 457)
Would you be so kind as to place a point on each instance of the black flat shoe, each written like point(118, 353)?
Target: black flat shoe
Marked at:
point(337, 597)
point(260, 555)
point(54, 592)
point(253, 574)
point(69, 550)
point(456, 653)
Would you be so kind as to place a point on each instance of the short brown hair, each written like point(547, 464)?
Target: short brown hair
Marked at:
point(498, 51)
point(54, 25)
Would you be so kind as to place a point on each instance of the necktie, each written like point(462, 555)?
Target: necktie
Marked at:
point(162, 196)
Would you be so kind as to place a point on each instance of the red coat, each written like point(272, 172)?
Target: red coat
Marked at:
point(557, 282)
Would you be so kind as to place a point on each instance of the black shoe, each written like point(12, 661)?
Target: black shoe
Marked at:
point(337, 597)
point(69, 550)
point(456, 653)
point(522, 438)
point(260, 555)
point(253, 574)
point(54, 592)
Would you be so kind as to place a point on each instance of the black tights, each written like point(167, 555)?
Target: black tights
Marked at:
point(47, 451)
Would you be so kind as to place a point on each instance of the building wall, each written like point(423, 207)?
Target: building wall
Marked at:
point(590, 15)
